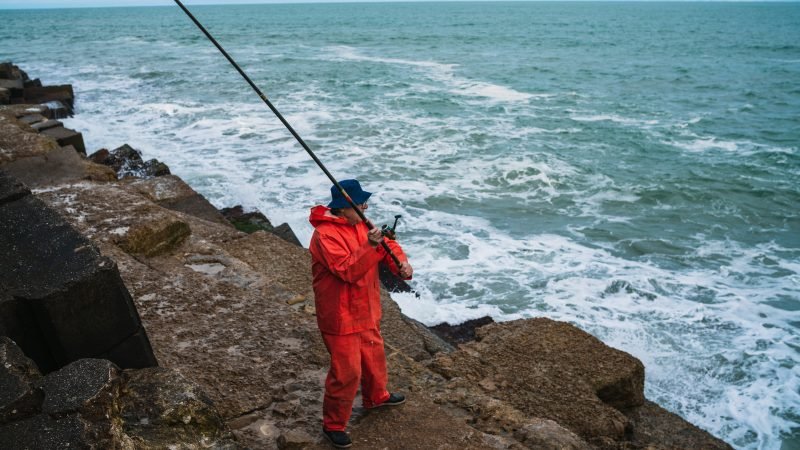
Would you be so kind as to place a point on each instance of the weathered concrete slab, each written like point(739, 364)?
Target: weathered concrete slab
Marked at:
point(33, 118)
point(57, 279)
point(173, 193)
point(45, 125)
point(58, 166)
point(45, 94)
point(65, 137)
point(17, 140)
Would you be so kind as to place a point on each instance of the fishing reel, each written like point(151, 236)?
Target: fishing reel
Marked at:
point(389, 232)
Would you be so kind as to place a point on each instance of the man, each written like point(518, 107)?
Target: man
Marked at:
point(344, 262)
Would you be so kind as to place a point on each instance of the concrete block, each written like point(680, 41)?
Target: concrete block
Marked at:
point(65, 137)
point(76, 297)
point(32, 118)
point(45, 125)
point(11, 84)
point(57, 166)
point(44, 94)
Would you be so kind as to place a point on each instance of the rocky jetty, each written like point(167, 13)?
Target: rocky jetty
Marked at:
point(230, 318)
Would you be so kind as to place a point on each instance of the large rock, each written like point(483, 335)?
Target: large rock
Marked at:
point(18, 375)
point(461, 333)
point(248, 222)
point(126, 161)
point(655, 425)
point(551, 370)
point(86, 386)
point(58, 281)
point(545, 434)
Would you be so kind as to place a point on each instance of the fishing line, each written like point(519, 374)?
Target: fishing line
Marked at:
point(288, 127)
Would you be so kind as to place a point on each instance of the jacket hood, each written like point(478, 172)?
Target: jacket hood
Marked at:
point(321, 214)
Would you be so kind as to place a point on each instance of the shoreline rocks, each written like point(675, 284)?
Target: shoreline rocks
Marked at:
point(230, 317)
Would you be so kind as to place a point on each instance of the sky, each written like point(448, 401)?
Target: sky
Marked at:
point(17, 4)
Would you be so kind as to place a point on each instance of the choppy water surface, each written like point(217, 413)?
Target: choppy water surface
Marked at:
point(633, 168)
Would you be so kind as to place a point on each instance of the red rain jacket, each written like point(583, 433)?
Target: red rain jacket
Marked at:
point(345, 270)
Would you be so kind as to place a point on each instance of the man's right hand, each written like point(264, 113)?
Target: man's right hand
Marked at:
point(375, 236)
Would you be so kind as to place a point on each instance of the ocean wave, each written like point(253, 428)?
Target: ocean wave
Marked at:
point(443, 73)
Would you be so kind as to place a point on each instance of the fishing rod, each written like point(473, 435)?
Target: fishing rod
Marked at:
point(288, 127)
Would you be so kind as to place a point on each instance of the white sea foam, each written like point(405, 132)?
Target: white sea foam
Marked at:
point(444, 73)
point(613, 118)
point(697, 144)
point(714, 350)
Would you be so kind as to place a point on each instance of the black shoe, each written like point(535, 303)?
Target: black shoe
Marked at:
point(339, 439)
point(394, 400)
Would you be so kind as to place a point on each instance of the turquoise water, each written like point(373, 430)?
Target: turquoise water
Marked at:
point(633, 168)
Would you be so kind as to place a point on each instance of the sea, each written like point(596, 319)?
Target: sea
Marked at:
point(632, 168)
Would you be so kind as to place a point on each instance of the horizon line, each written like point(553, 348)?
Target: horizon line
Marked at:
point(22, 7)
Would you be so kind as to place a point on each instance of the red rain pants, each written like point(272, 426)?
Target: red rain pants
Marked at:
point(356, 357)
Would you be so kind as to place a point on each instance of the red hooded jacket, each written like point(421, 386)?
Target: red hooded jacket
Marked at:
point(345, 270)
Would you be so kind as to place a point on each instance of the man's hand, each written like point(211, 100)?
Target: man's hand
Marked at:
point(405, 270)
point(375, 236)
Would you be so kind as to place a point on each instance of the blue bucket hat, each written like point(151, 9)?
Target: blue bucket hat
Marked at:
point(353, 189)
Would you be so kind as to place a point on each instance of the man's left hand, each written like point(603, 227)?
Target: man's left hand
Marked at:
point(406, 271)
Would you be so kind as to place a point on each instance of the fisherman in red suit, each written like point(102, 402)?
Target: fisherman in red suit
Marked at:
point(344, 260)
